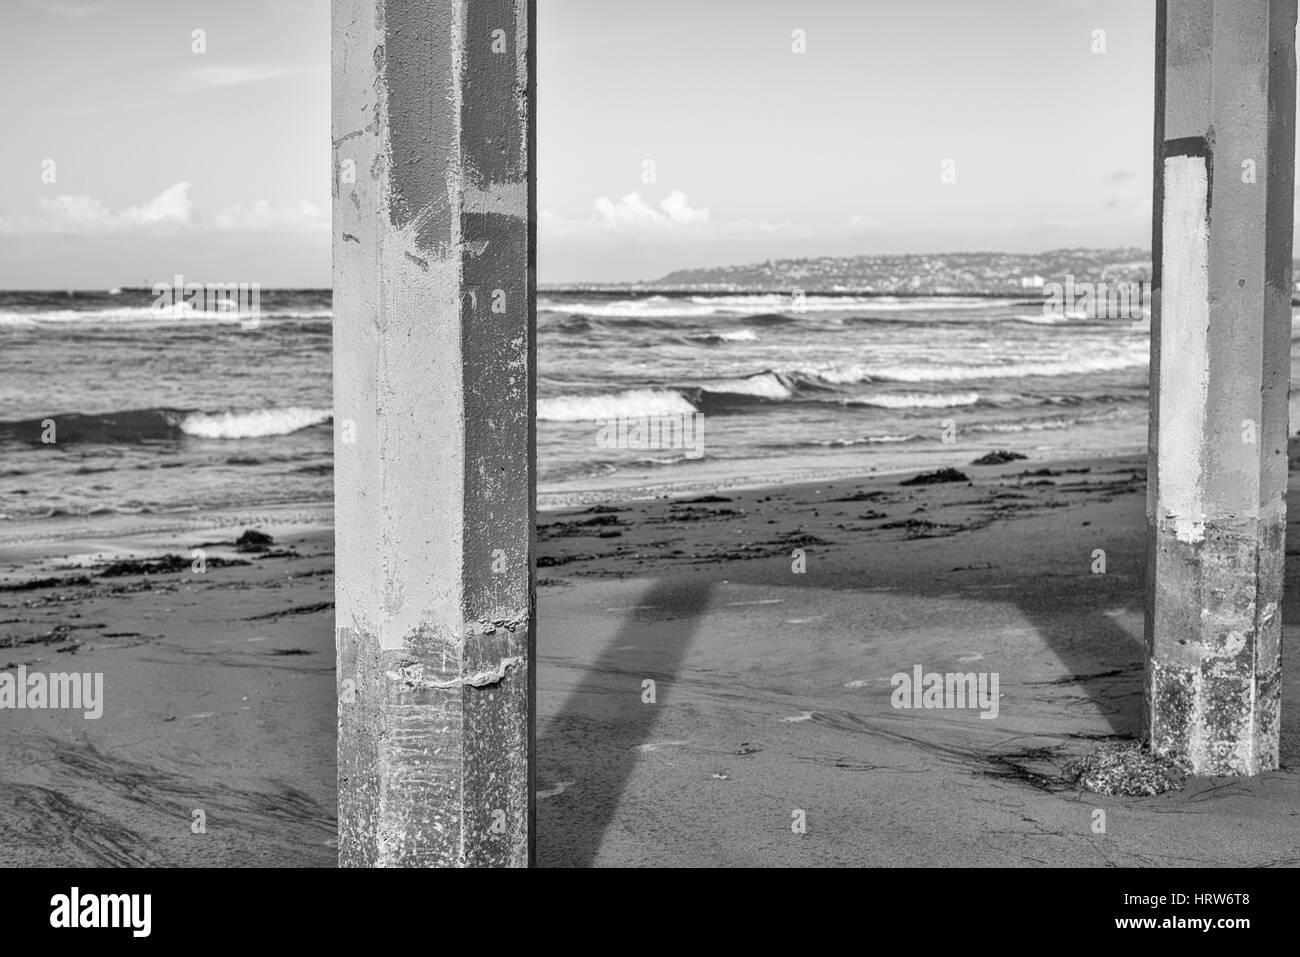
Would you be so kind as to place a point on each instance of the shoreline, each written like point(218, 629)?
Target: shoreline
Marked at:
point(29, 538)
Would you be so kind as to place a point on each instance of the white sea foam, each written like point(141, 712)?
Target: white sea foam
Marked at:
point(597, 408)
point(766, 385)
point(927, 303)
point(1045, 318)
point(915, 400)
point(659, 307)
point(1013, 370)
point(1037, 425)
point(177, 312)
point(740, 335)
point(654, 307)
point(836, 375)
point(866, 440)
point(249, 425)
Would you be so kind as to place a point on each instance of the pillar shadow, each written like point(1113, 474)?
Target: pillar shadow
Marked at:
point(592, 740)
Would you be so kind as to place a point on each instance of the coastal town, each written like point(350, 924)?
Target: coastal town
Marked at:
point(911, 274)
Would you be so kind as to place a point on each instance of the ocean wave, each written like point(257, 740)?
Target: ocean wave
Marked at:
point(834, 375)
point(888, 439)
point(1046, 318)
point(769, 319)
point(744, 393)
point(1080, 317)
point(137, 426)
point(1050, 423)
point(717, 338)
point(1038, 425)
point(1013, 370)
point(763, 385)
point(665, 461)
point(93, 511)
point(132, 426)
point(714, 396)
point(652, 307)
point(737, 305)
point(575, 471)
point(872, 440)
point(929, 303)
point(252, 425)
point(597, 408)
point(178, 312)
point(567, 324)
point(815, 302)
point(676, 322)
point(914, 400)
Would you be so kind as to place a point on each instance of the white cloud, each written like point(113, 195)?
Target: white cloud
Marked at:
point(630, 212)
point(678, 209)
point(634, 214)
point(171, 207)
point(170, 212)
point(86, 216)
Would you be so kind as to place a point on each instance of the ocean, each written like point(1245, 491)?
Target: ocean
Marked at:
point(191, 411)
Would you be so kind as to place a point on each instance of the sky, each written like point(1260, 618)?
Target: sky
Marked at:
point(671, 134)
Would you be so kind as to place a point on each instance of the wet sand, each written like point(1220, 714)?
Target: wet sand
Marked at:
point(219, 697)
point(772, 692)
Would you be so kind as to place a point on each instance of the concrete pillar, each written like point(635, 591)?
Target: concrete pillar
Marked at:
point(434, 393)
point(1220, 372)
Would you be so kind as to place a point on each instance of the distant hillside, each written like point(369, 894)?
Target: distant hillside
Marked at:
point(919, 274)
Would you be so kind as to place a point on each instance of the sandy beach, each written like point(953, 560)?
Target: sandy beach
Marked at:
point(771, 672)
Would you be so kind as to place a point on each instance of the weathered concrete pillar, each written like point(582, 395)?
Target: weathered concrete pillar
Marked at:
point(434, 383)
point(1220, 371)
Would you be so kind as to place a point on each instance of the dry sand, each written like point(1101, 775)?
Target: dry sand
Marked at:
point(772, 691)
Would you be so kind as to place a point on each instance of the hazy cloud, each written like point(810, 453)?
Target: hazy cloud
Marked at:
point(262, 217)
point(857, 221)
point(87, 216)
point(169, 212)
point(212, 77)
point(65, 8)
point(674, 218)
